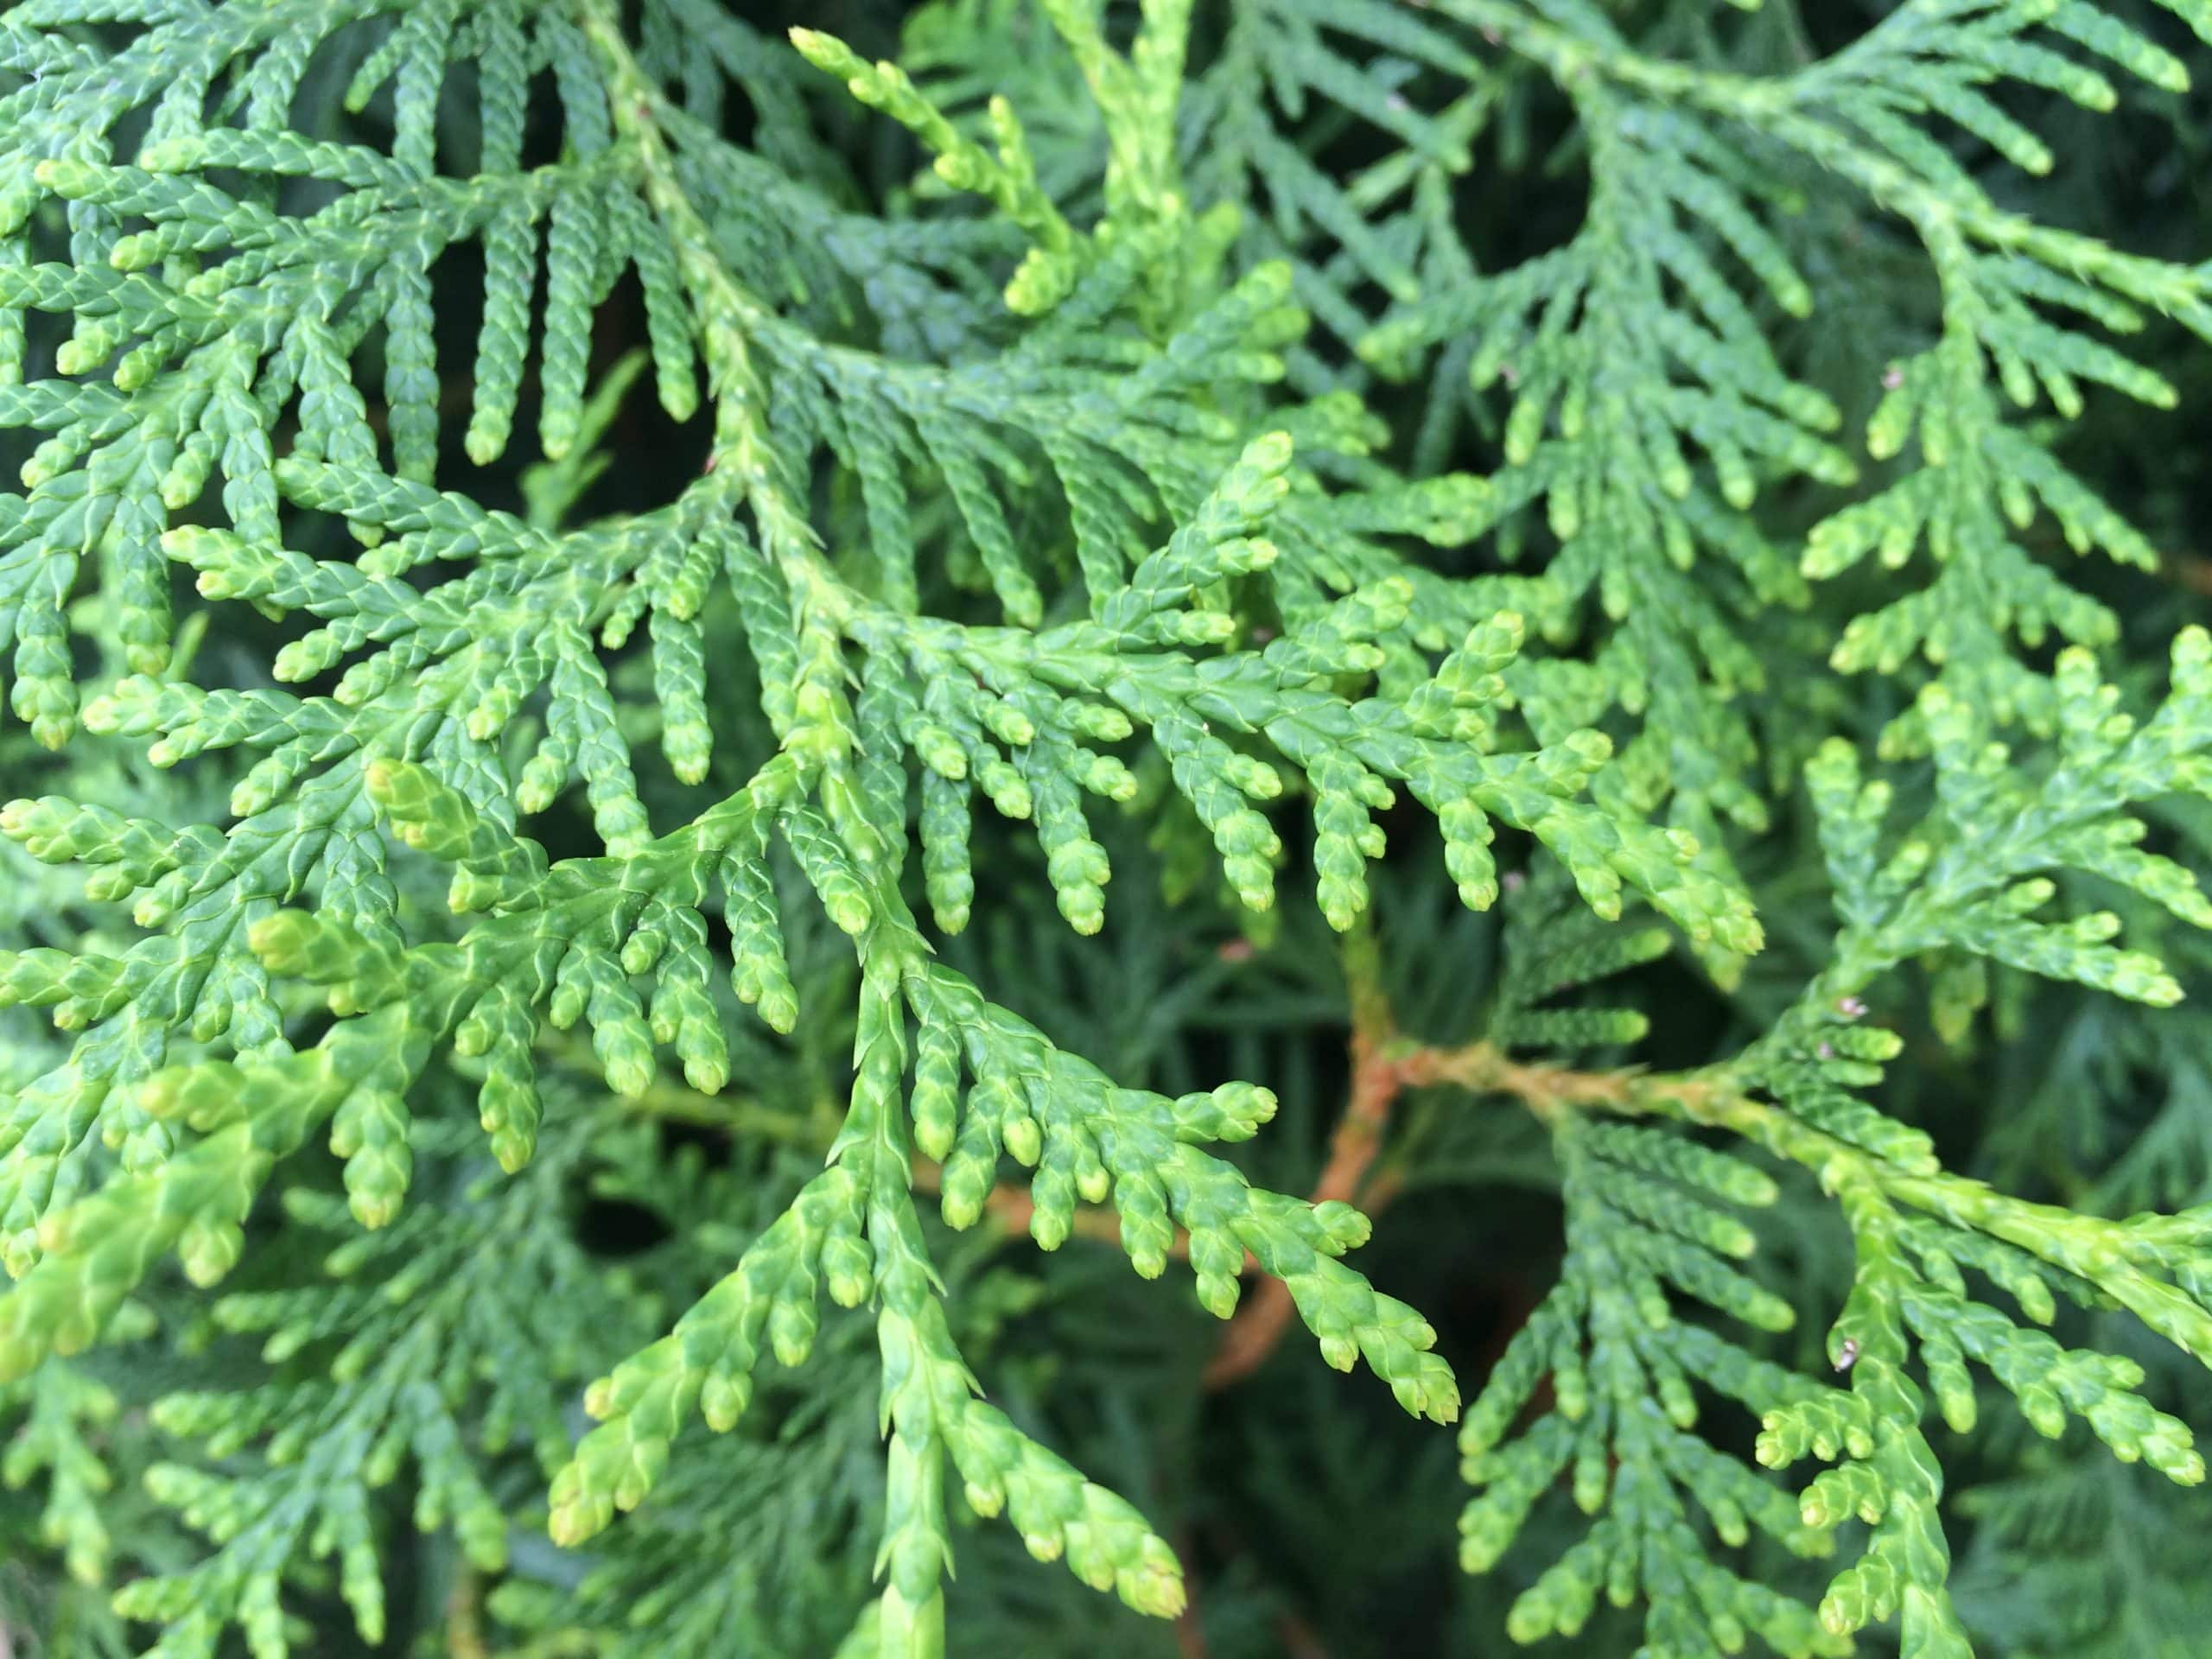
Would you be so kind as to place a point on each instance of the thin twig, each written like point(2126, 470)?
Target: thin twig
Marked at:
point(1377, 1076)
point(1190, 1632)
point(1384, 1066)
point(465, 1616)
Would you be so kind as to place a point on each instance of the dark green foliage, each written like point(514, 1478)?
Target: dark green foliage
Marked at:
point(706, 716)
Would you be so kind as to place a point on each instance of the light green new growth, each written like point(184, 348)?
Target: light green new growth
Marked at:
point(1067, 496)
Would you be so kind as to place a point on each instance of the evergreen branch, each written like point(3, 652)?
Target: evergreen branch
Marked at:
point(1108, 470)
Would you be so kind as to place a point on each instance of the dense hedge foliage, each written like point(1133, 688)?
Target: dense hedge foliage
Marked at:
point(598, 590)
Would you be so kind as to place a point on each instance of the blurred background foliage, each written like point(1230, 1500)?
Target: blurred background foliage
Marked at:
point(1314, 1519)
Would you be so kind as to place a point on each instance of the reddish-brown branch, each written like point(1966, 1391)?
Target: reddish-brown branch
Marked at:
point(2192, 570)
point(1379, 1073)
point(1190, 1633)
point(1384, 1066)
point(464, 1618)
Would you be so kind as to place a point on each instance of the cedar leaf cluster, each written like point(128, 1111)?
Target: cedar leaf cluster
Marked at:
point(707, 712)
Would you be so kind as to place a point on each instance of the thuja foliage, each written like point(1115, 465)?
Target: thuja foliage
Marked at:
point(587, 577)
